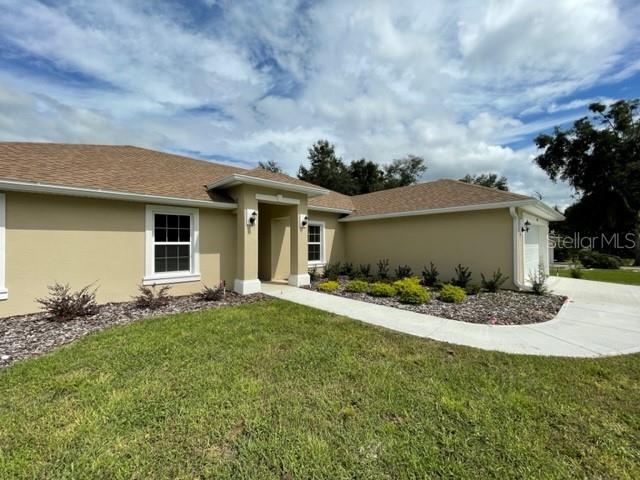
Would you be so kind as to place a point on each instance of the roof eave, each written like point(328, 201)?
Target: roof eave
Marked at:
point(319, 208)
point(238, 179)
point(434, 211)
point(52, 189)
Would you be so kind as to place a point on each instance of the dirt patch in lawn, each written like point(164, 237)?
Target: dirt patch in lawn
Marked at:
point(504, 307)
point(26, 336)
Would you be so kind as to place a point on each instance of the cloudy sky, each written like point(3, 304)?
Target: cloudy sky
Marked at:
point(465, 84)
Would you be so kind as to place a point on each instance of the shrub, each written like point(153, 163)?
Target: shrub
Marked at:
point(539, 281)
point(593, 259)
point(463, 276)
point(403, 271)
point(575, 271)
point(409, 290)
point(151, 298)
point(472, 289)
point(452, 294)
point(332, 270)
point(364, 271)
point(212, 294)
point(357, 286)
point(328, 286)
point(430, 275)
point(494, 283)
point(62, 304)
point(381, 289)
point(313, 273)
point(347, 270)
point(383, 268)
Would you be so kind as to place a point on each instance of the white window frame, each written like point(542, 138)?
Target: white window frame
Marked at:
point(4, 293)
point(193, 275)
point(322, 244)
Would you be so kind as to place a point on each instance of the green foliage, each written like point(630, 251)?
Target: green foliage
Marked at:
point(328, 286)
point(494, 283)
point(538, 281)
point(381, 289)
point(326, 169)
point(347, 269)
point(332, 270)
point(63, 305)
point(367, 176)
point(383, 268)
point(313, 273)
point(357, 286)
point(151, 298)
point(212, 294)
point(491, 180)
point(463, 276)
point(430, 275)
point(593, 259)
point(402, 172)
point(403, 271)
point(270, 166)
point(364, 271)
point(410, 291)
point(575, 271)
point(451, 294)
point(472, 289)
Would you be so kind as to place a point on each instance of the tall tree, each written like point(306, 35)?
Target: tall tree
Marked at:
point(326, 169)
point(366, 176)
point(270, 166)
point(600, 158)
point(404, 171)
point(491, 180)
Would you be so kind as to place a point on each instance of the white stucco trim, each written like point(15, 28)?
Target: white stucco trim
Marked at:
point(246, 287)
point(322, 261)
point(4, 293)
point(193, 275)
point(329, 209)
point(31, 187)
point(300, 280)
point(516, 240)
point(238, 178)
point(277, 199)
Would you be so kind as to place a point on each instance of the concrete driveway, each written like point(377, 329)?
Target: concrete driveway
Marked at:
point(599, 319)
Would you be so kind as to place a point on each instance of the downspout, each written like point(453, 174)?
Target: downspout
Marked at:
point(516, 225)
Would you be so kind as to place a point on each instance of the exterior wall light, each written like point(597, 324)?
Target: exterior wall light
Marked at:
point(525, 226)
point(304, 221)
point(252, 217)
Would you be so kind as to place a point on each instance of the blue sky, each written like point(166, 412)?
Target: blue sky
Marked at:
point(465, 84)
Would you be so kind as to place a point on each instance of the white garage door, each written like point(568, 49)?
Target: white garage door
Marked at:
point(531, 252)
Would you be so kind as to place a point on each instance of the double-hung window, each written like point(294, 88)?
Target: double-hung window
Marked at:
point(172, 245)
point(315, 242)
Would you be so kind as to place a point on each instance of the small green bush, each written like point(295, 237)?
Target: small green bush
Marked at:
point(403, 271)
point(409, 290)
point(364, 271)
point(380, 289)
point(575, 271)
point(63, 305)
point(430, 275)
point(347, 270)
point(212, 294)
point(328, 286)
point(593, 259)
point(472, 289)
point(452, 294)
point(357, 286)
point(538, 281)
point(383, 268)
point(493, 283)
point(463, 276)
point(331, 271)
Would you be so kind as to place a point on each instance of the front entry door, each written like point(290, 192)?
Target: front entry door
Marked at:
point(280, 248)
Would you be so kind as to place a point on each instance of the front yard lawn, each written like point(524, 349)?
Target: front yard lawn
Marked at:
point(626, 276)
point(277, 390)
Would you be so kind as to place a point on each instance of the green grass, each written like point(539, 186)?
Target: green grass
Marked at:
point(601, 275)
point(276, 390)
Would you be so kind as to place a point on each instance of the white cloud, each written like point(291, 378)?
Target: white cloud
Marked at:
point(452, 82)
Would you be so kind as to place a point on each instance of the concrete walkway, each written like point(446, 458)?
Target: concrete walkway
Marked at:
point(600, 319)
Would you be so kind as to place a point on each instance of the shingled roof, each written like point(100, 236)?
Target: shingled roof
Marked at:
point(138, 170)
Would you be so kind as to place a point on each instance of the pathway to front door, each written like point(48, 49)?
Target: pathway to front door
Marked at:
point(600, 319)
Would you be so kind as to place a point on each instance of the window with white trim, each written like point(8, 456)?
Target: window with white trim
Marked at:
point(315, 242)
point(171, 244)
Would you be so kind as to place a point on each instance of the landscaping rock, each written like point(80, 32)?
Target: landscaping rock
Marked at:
point(27, 336)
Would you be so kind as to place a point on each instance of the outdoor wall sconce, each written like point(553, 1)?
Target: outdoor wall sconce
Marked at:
point(252, 217)
point(525, 226)
point(304, 221)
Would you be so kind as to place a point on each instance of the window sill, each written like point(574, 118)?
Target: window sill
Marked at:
point(316, 264)
point(4, 294)
point(172, 278)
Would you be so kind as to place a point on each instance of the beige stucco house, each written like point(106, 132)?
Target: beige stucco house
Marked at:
point(120, 216)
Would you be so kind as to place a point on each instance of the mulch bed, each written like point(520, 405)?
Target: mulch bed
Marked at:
point(504, 307)
point(26, 336)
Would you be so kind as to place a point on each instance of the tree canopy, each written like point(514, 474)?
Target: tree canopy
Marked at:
point(599, 156)
point(360, 176)
point(491, 180)
point(270, 166)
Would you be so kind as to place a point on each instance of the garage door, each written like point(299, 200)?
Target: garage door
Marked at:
point(531, 252)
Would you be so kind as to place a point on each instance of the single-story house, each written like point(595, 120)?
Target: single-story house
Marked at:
point(121, 216)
